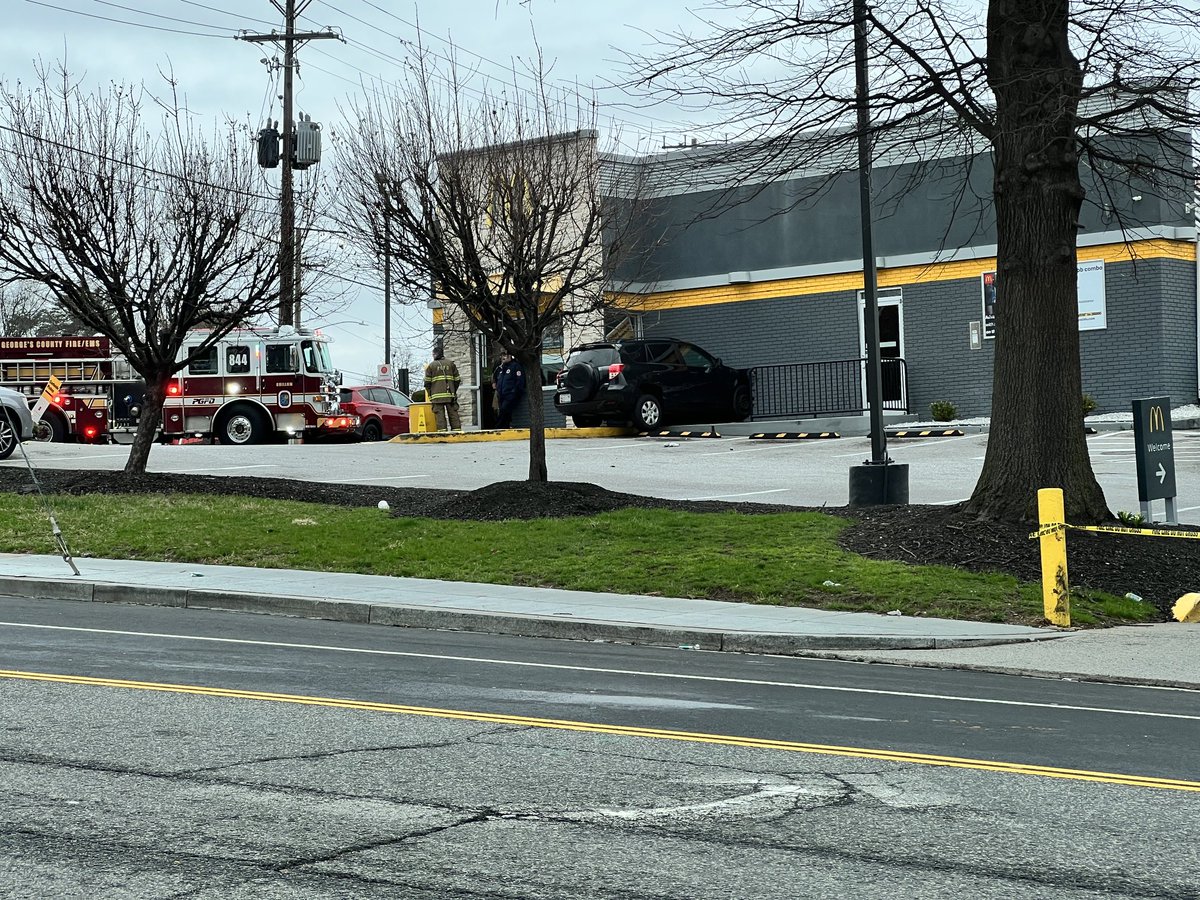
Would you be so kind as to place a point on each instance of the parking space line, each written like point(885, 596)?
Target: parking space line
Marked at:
point(222, 468)
point(389, 477)
point(747, 494)
point(45, 459)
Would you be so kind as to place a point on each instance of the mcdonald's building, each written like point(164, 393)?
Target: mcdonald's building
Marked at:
point(769, 276)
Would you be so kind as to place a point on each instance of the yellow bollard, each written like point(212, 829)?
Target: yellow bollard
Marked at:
point(1056, 596)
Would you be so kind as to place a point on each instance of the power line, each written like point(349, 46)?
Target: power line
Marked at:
point(79, 12)
point(224, 12)
point(133, 165)
point(154, 15)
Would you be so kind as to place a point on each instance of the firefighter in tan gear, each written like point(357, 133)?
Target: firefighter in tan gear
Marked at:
point(441, 389)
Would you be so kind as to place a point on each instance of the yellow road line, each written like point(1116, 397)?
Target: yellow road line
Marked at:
point(726, 740)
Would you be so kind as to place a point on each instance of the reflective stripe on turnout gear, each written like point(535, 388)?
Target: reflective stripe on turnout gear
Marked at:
point(441, 381)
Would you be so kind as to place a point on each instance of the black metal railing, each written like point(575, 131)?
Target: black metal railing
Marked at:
point(832, 388)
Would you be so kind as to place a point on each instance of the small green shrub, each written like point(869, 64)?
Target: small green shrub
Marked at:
point(943, 411)
point(1132, 519)
point(1089, 404)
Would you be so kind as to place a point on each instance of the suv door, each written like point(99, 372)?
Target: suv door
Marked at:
point(381, 405)
point(668, 369)
point(710, 384)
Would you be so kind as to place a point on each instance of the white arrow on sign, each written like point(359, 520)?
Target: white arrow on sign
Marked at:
point(1161, 473)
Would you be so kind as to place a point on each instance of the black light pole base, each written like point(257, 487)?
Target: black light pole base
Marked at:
point(879, 484)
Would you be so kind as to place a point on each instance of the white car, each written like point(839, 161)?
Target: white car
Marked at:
point(15, 422)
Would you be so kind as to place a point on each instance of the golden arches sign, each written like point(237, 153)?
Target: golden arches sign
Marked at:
point(1157, 419)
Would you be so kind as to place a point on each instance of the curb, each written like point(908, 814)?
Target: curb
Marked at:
point(505, 434)
point(564, 628)
point(1092, 678)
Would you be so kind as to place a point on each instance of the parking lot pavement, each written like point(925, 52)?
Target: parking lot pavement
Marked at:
point(808, 473)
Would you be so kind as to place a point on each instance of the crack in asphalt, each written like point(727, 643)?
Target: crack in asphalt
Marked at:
point(1105, 884)
point(243, 872)
point(484, 815)
point(323, 754)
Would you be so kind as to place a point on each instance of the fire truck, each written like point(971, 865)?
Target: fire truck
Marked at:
point(250, 386)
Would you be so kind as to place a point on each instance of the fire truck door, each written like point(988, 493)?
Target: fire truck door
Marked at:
point(240, 377)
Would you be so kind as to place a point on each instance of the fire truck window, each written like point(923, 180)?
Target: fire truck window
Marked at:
point(205, 363)
point(316, 357)
point(281, 358)
point(237, 360)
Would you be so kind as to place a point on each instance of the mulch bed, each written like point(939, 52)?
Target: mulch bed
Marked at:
point(1158, 570)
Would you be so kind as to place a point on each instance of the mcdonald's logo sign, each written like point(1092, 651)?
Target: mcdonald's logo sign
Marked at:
point(1157, 420)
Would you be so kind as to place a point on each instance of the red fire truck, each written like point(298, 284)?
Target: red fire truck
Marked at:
point(249, 386)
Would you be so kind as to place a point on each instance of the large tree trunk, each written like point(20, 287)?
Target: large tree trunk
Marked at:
point(1036, 438)
point(147, 429)
point(531, 362)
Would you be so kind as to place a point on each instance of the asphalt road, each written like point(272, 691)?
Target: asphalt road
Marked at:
point(811, 473)
point(313, 759)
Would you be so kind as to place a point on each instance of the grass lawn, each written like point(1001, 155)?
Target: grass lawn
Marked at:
point(785, 559)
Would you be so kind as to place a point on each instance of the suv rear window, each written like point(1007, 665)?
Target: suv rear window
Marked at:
point(593, 356)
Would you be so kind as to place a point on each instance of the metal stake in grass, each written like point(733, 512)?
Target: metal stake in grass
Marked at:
point(59, 539)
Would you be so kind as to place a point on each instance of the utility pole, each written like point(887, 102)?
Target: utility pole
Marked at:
point(879, 480)
point(288, 42)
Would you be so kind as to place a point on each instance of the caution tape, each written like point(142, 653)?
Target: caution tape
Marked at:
point(1115, 529)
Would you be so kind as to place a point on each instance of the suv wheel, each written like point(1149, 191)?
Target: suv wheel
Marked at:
point(743, 404)
point(582, 381)
point(647, 413)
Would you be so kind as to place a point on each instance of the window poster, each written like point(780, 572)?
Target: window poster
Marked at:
point(1092, 307)
point(989, 305)
point(1089, 281)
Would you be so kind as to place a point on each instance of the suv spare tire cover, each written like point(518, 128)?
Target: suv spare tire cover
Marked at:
point(582, 381)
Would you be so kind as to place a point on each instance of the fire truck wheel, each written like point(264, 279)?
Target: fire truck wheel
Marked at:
point(50, 427)
point(244, 425)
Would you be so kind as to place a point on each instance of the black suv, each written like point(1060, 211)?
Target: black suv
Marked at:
point(651, 383)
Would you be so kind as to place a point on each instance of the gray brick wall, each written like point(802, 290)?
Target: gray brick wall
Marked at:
point(807, 328)
point(1148, 347)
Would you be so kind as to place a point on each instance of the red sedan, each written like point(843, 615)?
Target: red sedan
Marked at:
point(382, 411)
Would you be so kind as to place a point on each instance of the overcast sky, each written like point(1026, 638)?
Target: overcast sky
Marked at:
point(133, 40)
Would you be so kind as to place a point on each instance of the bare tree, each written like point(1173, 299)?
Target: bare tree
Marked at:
point(25, 312)
point(1048, 88)
point(141, 235)
point(488, 198)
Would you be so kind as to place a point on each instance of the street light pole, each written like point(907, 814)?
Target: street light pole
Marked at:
point(878, 480)
point(870, 285)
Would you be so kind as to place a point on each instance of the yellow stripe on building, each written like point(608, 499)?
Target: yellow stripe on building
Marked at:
point(892, 277)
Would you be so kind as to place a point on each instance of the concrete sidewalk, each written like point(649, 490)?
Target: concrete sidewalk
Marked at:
point(1163, 654)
